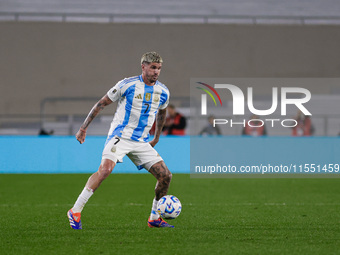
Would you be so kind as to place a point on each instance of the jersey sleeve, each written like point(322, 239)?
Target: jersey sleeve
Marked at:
point(115, 92)
point(166, 103)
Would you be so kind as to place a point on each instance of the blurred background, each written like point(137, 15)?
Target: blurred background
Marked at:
point(59, 57)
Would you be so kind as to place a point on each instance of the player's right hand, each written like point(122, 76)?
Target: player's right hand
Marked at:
point(81, 134)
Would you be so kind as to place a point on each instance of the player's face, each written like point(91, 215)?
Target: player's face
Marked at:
point(151, 72)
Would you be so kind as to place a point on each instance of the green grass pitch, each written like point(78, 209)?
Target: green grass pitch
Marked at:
point(219, 216)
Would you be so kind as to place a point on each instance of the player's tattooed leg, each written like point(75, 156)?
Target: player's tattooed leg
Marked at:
point(163, 176)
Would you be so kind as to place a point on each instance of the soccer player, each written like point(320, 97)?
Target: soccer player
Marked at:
point(141, 100)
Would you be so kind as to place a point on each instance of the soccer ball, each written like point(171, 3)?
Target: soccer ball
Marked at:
point(169, 207)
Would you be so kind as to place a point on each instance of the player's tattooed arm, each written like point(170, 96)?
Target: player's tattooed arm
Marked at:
point(163, 176)
point(104, 101)
point(95, 110)
point(160, 121)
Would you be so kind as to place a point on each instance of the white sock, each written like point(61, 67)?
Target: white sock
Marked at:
point(82, 200)
point(154, 214)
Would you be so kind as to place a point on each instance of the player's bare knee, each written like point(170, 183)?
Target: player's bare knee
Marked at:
point(168, 177)
point(104, 173)
point(161, 172)
point(167, 174)
point(106, 168)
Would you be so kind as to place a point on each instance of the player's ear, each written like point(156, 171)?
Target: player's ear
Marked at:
point(144, 65)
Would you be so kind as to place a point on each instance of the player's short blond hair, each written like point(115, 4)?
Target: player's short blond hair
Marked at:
point(151, 57)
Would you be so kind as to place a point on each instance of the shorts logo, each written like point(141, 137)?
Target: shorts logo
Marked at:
point(113, 149)
point(147, 96)
point(114, 91)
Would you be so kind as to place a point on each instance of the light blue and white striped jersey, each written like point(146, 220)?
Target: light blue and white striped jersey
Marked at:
point(138, 105)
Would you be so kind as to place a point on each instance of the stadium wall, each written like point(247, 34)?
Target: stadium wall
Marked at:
point(41, 59)
point(64, 154)
point(28, 154)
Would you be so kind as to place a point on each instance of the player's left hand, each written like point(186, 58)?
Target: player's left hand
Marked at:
point(153, 142)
